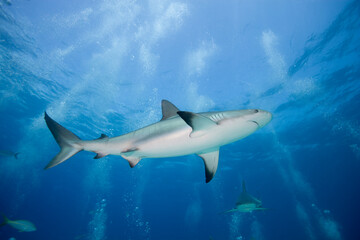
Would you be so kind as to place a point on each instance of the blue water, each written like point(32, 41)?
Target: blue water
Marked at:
point(104, 67)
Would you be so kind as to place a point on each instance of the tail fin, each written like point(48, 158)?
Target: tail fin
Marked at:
point(68, 142)
point(16, 155)
point(6, 220)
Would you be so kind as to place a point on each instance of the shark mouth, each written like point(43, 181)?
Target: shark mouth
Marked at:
point(255, 122)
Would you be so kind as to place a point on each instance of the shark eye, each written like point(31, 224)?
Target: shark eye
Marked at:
point(256, 111)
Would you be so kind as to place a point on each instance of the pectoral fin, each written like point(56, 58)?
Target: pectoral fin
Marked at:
point(261, 208)
point(229, 211)
point(211, 160)
point(197, 122)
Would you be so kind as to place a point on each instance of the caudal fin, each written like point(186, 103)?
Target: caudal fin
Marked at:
point(68, 142)
point(5, 220)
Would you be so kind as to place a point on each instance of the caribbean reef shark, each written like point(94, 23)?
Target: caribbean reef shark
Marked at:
point(246, 202)
point(178, 133)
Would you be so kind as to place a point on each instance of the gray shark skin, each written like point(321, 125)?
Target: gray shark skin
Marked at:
point(246, 202)
point(178, 133)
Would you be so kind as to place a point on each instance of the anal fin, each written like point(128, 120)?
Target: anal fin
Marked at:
point(128, 154)
point(100, 155)
point(132, 160)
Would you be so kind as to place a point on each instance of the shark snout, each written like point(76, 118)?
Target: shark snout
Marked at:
point(264, 117)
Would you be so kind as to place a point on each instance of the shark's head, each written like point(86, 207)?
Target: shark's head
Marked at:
point(238, 124)
point(249, 206)
point(253, 116)
point(260, 117)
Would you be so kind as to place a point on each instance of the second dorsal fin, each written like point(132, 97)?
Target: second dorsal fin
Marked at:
point(168, 109)
point(103, 136)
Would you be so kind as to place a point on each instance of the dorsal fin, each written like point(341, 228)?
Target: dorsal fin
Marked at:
point(103, 136)
point(168, 109)
point(243, 186)
point(197, 122)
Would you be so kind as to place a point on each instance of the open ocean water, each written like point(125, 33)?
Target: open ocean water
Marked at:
point(104, 66)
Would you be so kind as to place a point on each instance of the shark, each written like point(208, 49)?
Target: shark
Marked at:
point(246, 202)
point(21, 225)
point(7, 153)
point(178, 133)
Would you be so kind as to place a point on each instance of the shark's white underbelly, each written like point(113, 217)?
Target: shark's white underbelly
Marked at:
point(172, 145)
point(172, 138)
point(247, 207)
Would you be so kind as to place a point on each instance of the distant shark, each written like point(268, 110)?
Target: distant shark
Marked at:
point(177, 133)
point(8, 153)
point(21, 225)
point(246, 202)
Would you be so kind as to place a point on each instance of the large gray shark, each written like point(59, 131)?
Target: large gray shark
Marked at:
point(246, 202)
point(177, 133)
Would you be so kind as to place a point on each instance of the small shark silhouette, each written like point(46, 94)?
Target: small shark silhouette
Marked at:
point(7, 153)
point(246, 202)
point(21, 225)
